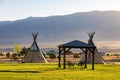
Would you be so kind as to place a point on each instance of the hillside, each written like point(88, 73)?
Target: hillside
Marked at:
point(62, 28)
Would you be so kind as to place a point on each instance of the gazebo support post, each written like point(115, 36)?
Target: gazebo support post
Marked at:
point(85, 52)
point(59, 58)
point(93, 59)
point(85, 59)
point(64, 59)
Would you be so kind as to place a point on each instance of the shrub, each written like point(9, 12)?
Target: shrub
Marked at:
point(52, 56)
point(1, 54)
point(14, 56)
point(107, 54)
point(76, 56)
point(24, 51)
point(8, 54)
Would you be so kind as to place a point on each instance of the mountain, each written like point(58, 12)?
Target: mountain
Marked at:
point(106, 24)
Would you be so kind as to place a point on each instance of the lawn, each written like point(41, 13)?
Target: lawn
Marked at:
point(37, 71)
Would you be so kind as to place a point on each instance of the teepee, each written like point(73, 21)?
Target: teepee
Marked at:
point(97, 59)
point(35, 55)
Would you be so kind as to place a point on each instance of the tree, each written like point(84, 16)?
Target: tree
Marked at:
point(24, 51)
point(8, 54)
point(17, 48)
point(1, 54)
point(14, 56)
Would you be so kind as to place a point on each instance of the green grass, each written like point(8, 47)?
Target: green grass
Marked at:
point(37, 71)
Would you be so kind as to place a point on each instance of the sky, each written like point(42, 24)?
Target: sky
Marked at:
point(19, 9)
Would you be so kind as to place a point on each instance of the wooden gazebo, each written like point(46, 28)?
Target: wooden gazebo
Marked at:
point(75, 44)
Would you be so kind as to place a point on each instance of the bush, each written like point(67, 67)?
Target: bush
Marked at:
point(76, 56)
point(24, 51)
point(14, 56)
point(115, 54)
point(107, 54)
point(1, 54)
point(8, 54)
point(52, 56)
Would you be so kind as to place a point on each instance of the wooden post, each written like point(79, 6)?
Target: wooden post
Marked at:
point(59, 58)
point(93, 59)
point(85, 59)
point(85, 52)
point(64, 59)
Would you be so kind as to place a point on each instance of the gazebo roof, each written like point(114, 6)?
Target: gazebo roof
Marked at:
point(76, 44)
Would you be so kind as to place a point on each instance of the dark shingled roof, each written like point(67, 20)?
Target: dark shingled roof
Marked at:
point(76, 44)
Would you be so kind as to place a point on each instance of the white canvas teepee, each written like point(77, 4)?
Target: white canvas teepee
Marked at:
point(35, 55)
point(97, 59)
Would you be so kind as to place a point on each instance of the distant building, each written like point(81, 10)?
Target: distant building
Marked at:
point(52, 52)
point(102, 53)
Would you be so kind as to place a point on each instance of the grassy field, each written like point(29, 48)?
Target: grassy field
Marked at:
point(36, 71)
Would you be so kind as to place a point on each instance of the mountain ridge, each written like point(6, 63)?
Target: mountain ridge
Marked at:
point(62, 28)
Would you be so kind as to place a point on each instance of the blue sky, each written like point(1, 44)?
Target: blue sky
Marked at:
point(19, 9)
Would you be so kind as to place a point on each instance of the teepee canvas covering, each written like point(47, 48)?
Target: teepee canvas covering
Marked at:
point(35, 55)
point(97, 59)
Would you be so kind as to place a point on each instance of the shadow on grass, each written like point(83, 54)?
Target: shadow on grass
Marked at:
point(27, 71)
point(19, 71)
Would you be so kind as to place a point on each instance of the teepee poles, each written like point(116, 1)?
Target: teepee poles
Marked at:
point(34, 45)
point(91, 35)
